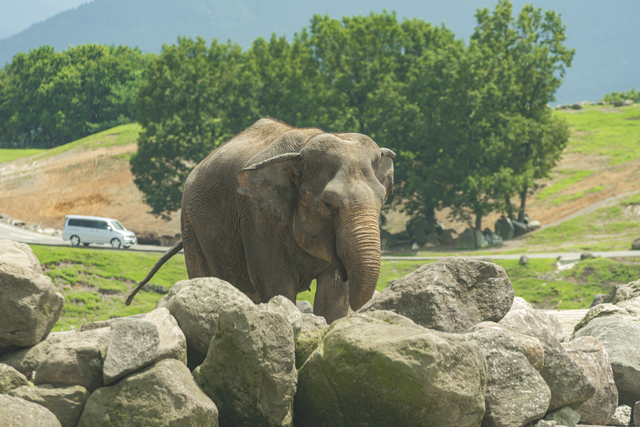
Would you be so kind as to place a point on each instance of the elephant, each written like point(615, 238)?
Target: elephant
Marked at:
point(276, 207)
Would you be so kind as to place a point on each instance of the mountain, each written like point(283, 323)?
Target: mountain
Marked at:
point(605, 35)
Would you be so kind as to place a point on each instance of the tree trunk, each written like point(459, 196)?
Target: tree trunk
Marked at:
point(479, 221)
point(523, 203)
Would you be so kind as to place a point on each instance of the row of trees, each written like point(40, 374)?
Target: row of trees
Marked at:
point(49, 98)
point(469, 122)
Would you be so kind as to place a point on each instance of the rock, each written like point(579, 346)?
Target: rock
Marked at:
point(504, 228)
point(21, 413)
point(481, 242)
point(622, 416)
point(621, 339)
point(635, 245)
point(304, 307)
point(630, 312)
point(567, 380)
point(466, 240)
point(519, 228)
point(65, 403)
point(26, 360)
point(586, 255)
point(195, 304)
point(29, 302)
point(576, 106)
point(10, 378)
point(433, 238)
point(516, 393)
point(627, 102)
point(533, 225)
point(75, 360)
point(446, 236)
point(622, 293)
point(492, 238)
point(636, 414)
point(282, 305)
point(138, 342)
point(450, 295)
point(311, 321)
point(564, 416)
point(250, 368)
point(163, 394)
point(370, 372)
point(523, 260)
point(307, 342)
point(598, 299)
point(592, 356)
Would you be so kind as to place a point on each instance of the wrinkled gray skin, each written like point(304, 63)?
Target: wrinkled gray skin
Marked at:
point(276, 207)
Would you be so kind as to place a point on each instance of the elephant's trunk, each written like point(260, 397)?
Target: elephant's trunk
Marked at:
point(358, 245)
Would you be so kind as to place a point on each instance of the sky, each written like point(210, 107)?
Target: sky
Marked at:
point(18, 15)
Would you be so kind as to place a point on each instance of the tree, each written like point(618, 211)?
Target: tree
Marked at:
point(533, 47)
point(193, 98)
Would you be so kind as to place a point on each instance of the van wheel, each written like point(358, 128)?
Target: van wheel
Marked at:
point(115, 243)
point(75, 240)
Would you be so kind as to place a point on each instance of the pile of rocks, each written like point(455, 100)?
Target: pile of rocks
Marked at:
point(447, 345)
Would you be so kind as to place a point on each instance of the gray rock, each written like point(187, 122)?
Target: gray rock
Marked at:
point(516, 392)
point(504, 228)
point(621, 338)
point(163, 394)
point(137, 342)
point(636, 414)
point(635, 245)
point(10, 378)
point(542, 423)
point(533, 225)
point(370, 372)
point(133, 344)
point(311, 321)
point(21, 413)
point(627, 310)
point(622, 416)
point(481, 242)
point(446, 236)
point(250, 368)
point(195, 304)
point(450, 295)
point(492, 238)
point(622, 293)
point(307, 342)
point(592, 356)
point(567, 380)
point(466, 240)
point(304, 307)
point(26, 360)
point(282, 305)
point(564, 416)
point(628, 102)
point(523, 260)
point(65, 403)
point(519, 228)
point(75, 360)
point(598, 299)
point(29, 302)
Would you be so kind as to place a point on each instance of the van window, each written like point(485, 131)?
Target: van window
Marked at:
point(75, 222)
point(117, 225)
point(102, 225)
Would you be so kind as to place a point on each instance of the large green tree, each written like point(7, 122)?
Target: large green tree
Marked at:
point(193, 99)
point(53, 98)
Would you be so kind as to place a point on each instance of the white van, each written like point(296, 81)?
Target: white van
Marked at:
point(94, 229)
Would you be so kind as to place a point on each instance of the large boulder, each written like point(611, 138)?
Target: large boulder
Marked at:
point(29, 302)
point(516, 392)
point(26, 360)
point(65, 403)
point(75, 360)
point(466, 240)
point(621, 338)
point(10, 378)
point(19, 412)
point(368, 371)
point(195, 304)
point(504, 228)
point(568, 381)
point(622, 293)
point(135, 343)
point(592, 356)
point(450, 295)
point(281, 304)
point(627, 310)
point(163, 394)
point(250, 368)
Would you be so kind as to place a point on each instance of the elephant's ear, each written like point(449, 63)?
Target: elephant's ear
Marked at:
point(269, 184)
point(385, 170)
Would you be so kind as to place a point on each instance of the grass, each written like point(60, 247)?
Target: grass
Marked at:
point(95, 283)
point(10, 154)
point(572, 178)
point(614, 133)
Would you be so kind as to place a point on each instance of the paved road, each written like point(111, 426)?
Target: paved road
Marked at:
point(17, 234)
point(30, 237)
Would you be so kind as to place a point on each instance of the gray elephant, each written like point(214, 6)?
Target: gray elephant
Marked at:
point(276, 207)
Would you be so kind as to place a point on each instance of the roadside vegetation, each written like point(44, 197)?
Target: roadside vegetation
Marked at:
point(95, 283)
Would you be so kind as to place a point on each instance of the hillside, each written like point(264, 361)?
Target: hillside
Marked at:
point(592, 201)
point(90, 176)
point(605, 37)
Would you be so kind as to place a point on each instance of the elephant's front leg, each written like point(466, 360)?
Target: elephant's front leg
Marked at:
point(332, 296)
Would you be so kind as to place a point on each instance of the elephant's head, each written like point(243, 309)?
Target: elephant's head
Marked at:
point(330, 194)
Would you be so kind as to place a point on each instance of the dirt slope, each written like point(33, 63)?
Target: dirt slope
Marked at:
point(78, 181)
